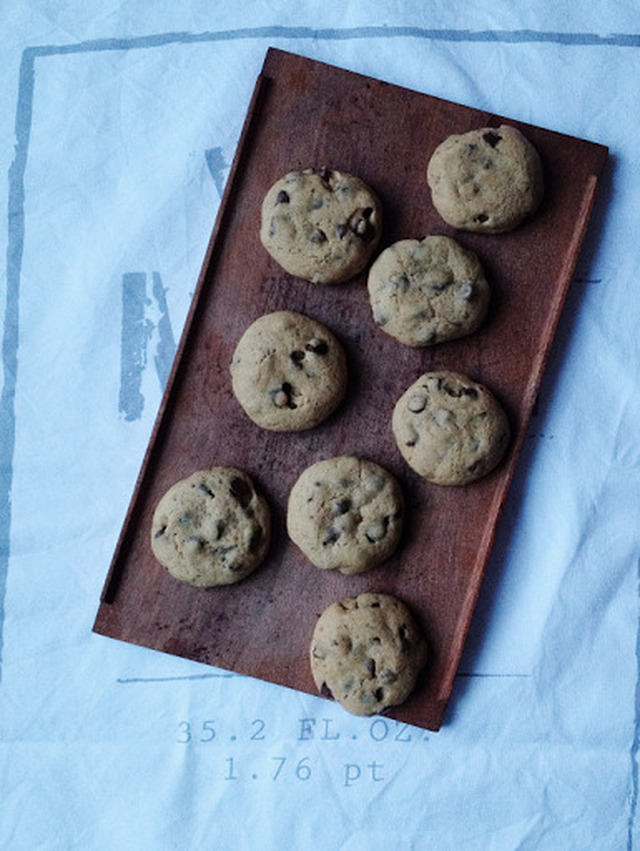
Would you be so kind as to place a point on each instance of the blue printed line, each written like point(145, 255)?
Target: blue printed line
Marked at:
point(128, 680)
point(135, 335)
point(10, 338)
point(166, 348)
point(635, 745)
point(136, 331)
point(523, 36)
point(217, 165)
point(469, 675)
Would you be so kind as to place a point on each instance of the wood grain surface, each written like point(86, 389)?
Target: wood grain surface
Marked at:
point(307, 114)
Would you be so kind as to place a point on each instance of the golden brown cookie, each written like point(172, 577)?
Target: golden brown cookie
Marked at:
point(367, 653)
point(486, 180)
point(426, 291)
point(345, 513)
point(450, 430)
point(289, 372)
point(321, 225)
point(211, 528)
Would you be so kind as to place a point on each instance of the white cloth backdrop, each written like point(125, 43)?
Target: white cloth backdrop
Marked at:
point(118, 124)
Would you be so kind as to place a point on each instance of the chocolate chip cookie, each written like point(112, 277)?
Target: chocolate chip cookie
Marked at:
point(450, 429)
point(211, 528)
point(345, 513)
point(425, 291)
point(367, 653)
point(321, 225)
point(289, 372)
point(486, 180)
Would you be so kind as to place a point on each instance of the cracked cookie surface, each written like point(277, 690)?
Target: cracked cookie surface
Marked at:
point(346, 513)
point(211, 528)
point(289, 372)
point(321, 225)
point(450, 430)
point(367, 653)
point(426, 291)
point(487, 180)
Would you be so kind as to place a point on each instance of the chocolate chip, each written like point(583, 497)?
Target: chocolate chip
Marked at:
point(317, 347)
point(280, 398)
point(370, 667)
point(341, 506)
point(282, 197)
point(331, 537)
point(361, 226)
point(283, 396)
point(288, 389)
point(466, 291)
point(492, 138)
point(457, 392)
point(297, 357)
point(241, 491)
point(481, 218)
point(377, 530)
point(317, 236)
point(160, 532)
point(325, 691)
point(223, 552)
point(205, 490)
point(341, 231)
point(417, 403)
point(324, 173)
point(400, 282)
point(403, 635)
point(233, 566)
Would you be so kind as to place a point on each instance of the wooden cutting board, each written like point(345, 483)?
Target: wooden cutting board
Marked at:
point(308, 114)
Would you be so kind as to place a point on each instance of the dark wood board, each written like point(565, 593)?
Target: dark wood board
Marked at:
point(305, 113)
